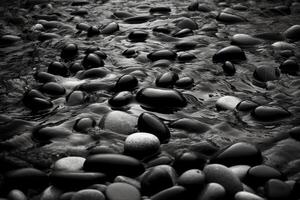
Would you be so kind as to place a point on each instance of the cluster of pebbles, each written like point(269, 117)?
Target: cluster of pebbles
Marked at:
point(111, 128)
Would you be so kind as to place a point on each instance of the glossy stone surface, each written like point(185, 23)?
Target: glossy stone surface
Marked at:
point(231, 53)
point(266, 73)
point(270, 113)
point(162, 54)
point(92, 61)
point(227, 103)
point(166, 80)
point(121, 99)
point(122, 191)
point(126, 82)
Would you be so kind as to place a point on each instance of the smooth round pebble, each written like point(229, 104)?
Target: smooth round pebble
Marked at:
point(44, 77)
point(76, 98)
point(57, 68)
point(70, 163)
point(229, 68)
point(53, 88)
point(138, 36)
point(93, 31)
point(172, 193)
point(270, 113)
point(110, 28)
point(293, 33)
point(229, 18)
point(243, 195)
point(289, 67)
point(121, 99)
point(188, 160)
point(16, 195)
point(141, 145)
point(244, 40)
point(122, 191)
point(185, 57)
point(84, 124)
point(277, 189)
point(266, 73)
point(187, 23)
point(92, 60)
point(231, 53)
point(212, 191)
point(93, 73)
point(47, 133)
point(69, 52)
point(167, 79)
point(193, 179)
point(227, 103)
point(126, 82)
point(90, 194)
point(36, 101)
point(246, 105)
point(240, 171)
point(162, 54)
point(184, 82)
point(216, 173)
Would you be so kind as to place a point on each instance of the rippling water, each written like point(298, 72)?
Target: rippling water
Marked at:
point(21, 60)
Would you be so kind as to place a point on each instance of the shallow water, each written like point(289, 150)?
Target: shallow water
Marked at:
point(21, 60)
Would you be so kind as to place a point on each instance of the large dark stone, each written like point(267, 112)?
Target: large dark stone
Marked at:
point(167, 79)
point(266, 73)
point(36, 101)
point(293, 33)
point(57, 68)
point(126, 82)
point(92, 60)
point(110, 28)
point(173, 193)
point(53, 88)
point(138, 36)
point(270, 113)
point(240, 153)
point(162, 54)
point(190, 125)
point(277, 190)
point(69, 52)
point(290, 67)
point(121, 99)
point(231, 53)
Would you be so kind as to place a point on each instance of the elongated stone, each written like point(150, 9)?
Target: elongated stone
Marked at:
point(230, 53)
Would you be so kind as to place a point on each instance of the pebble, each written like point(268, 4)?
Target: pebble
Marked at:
point(240, 171)
point(162, 54)
point(110, 28)
point(94, 73)
point(185, 57)
point(16, 195)
point(57, 68)
point(162, 63)
point(47, 133)
point(76, 98)
point(138, 19)
point(185, 45)
point(82, 26)
point(93, 31)
point(227, 103)
point(26, 178)
point(126, 82)
point(192, 180)
point(293, 33)
point(231, 53)
point(75, 67)
point(212, 191)
point(138, 36)
point(160, 9)
point(266, 73)
point(276, 189)
point(160, 99)
point(167, 79)
point(229, 18)
point(260, 174)
point(240, 153)
point(51, 193)
point(205, 148)
point(150, 123)
point(157, 178)
point(122, 14)
point(183, 33)
point(53, 88)
point(69, 52)
point(295, 133)
point(216, 173)
point(130, 181)
point(44, 77)
point(92, 60)
point(270, 113)
point(187, 23)
point(229, 68)
point(244, 40)
point(84, 124)
point(190, 125)
point(189, 160)
point(90, 194)
point(122, 191)
point(121, 99)
point(141, 145)
point(184, 82)
point(290, 67)
point(272, 36)
point(67, 180)
point(114, 165)
point(162, 29)
point(172, 193)
point(70, 163)
point(36, 101)
point(119, 122)
point(246, 105)
point(243, 195)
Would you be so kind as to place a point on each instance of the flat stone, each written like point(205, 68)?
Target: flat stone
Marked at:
point(70, 163)
point(270, 113)
point(122, 191)
point(231, 53)
point(244, 40)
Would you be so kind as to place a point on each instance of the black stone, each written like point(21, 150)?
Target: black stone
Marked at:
point(240, 153)
point(44, 77)
point(150, 123)
point(229, 68)
point(193, 180)
point(270, 113)
point(190, 125)
point(187, 23)
point(230, 53)
point(69, 52)
point(184, 57)
point(229, 18)
point(173, 193)
point(246, 105)
point(84, 124)
point(110, 28)
point(167, 80)
point(295, 133)
point(57, 68)
point(92, 60)
point(93, 73)
point(266, 73)
point(36, 101)
point(277, 190)
point(162, 29)
point(53, 88)
point(183, 33)
point(93, 31)
point(126, 82)
point(160, 9)
point(138, 36)
point(162, 54)
point(290, 67)
point(185, 45)
point(121, 99)
point(138, 19)
point(129, 53)
point(75, 67)
point(184, 82)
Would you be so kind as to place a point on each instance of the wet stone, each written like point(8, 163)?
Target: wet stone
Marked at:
point(229, 68)
point(44, 77)
point(160, 9)
point(240, 153)
point(82, 26)
point(243, 195)
point(69, 52)
point(266, 73)
point(93, 31)
point(141, 145)
point(122, 14)
point(160, 99)
point(227, 103)
point(70, 163)
point(47, 133)
point(93, 73)
point(110, 28)
point(122, 191)
point(162, 63)
point(167, 80)
point(184, 57)
point(293, 33)
point(187, 23)
point(188, 160)
point(290, 67)
point(246, 105)
point(67, 180)
point(160, 160)
point(129, 53)
point(295, 133)
point(260, 174)
point(53, 88)
point(212, 191)
point(183, 33)
point(121, 99)
point(119, 122)
point(76, 98)
point(276, 189)
point(26, 178)
point(185, 45)
point(75, 67)
point(162, 29)
point(174, 193)
point(184, 82)
point(190, 125)
point(51, 193)
point(58, 68)
point(216, 173)
point(150, 123)
point(84, 124)
point(92, 61)
point(114, 165)
point(192, 180)
point(272, 36)
point(126, 82)
point(162, 54)
point(157, 178)
point(36, 101)
point(231, 53)
point(138, 36)
point(230, 18)
point(244, 40)
point(240, 171)
point(138, 19)
point(270, 113)
point(16, 195)
point(90, 194)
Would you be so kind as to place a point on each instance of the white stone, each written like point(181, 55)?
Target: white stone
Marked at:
point(227, 102)
point(71, 163)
